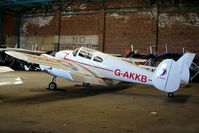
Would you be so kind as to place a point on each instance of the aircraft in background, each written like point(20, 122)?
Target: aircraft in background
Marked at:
point(94, 67)
point(8, 79)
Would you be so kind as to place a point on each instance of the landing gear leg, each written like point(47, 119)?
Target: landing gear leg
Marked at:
point(171, 94)
point(52, 85)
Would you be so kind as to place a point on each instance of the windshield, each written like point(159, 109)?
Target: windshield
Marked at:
point(75, 51)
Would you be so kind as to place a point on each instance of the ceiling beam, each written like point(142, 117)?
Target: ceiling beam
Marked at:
point(16, 2)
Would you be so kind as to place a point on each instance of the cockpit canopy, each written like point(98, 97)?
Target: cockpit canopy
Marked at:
point(87, 54)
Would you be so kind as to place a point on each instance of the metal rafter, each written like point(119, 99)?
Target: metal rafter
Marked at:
point(13, 7)
point(23, 2)
point(20, 6)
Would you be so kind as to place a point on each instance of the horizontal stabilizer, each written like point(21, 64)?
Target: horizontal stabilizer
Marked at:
point(184, 63)
point(187, 59)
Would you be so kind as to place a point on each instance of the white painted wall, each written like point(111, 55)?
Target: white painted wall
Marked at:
point(49, 42)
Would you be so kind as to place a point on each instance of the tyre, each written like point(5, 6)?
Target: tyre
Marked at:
point(52, 86)
point(170, 94)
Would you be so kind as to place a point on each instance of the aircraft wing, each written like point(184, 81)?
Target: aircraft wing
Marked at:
point(22, 50)
point(134, 60)
point(8, 78)
point(78, 72)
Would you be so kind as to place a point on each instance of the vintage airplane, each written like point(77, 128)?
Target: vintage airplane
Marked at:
point(8, 79)
point(94, 67)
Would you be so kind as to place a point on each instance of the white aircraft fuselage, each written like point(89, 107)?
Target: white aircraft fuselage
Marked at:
point(111, 67)
point(94, 67)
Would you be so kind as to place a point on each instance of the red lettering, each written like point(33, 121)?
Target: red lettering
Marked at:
point(131, 76)
point(137, 77)
point(126, 74)
point(117, 72)
point(144, 78)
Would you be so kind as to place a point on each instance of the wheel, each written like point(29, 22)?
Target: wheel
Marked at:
point(52, 86)
point(85, 84)
point(170, 94)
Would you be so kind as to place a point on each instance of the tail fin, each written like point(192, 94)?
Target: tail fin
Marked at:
point(166, 77)
point(184, 63)
point(169, 73)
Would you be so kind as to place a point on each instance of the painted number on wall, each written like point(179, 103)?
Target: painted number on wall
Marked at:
point(79, 39)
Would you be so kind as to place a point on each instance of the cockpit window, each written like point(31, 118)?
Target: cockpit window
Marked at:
point(75, 52)
point(97, 59)
point(85, 54)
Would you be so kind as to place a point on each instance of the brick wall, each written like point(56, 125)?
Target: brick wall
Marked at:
point(9, 31)
point(122, 30)
point(179, 30)
point(135, 26)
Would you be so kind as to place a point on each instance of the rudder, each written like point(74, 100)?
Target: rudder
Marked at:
point(167, 76)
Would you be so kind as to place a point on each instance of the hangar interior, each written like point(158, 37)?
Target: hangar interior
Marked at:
point(111, 26)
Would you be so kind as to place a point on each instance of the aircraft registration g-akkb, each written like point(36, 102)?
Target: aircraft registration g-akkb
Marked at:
point(94, 67)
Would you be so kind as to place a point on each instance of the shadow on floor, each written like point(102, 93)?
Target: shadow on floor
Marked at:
point(178, 98)
point(2, 97)
point(70, 92)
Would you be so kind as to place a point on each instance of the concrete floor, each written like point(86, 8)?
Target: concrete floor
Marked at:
point(31, 108)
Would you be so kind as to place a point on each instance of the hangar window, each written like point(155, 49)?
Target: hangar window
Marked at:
point(85, 54)
point(97, 59)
